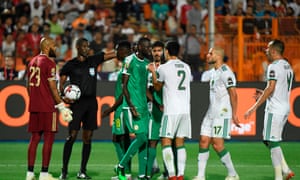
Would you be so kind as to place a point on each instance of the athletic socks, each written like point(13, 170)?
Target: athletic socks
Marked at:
point(202, 161)
point(86, 151)
point(151, 158)
point(181, 159)
point(226, 160)
point(168, 158)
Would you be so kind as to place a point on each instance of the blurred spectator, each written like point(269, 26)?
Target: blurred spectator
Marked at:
point(22, 45)
point(8, 26)
point(136, 9)
point(184, 8)
point(34, 38)
point(147, 10)
point(112, 64)
point(80, 20)
point(6, 6)
point(37, 21)
point(55, 28)
point(36, 9)
point(249, 21)
point(8, 45)
point(160, 11)
point(62, 48)
point(100, 13)
point(61, 19)
point(22, 23)
point(195, 17)
point(126, 29)
point(92, 27)
point(8, 72)
point(69, 9)
point(97, 44)
point(46, 30)
point(23, 9)
point(46, 16)
point(192, 49)
point(171, 24)
point(121, 10)
point(264, 24)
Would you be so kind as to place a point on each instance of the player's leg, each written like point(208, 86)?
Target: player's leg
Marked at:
point(183, 131)
point(151, 156)
point(31, 153)
point(204, 142)
point(47, 151)
point(221, 131)
point(67, 150)
point(85, 153)
point(273, 127)
point(225, 157)
point(136, 144)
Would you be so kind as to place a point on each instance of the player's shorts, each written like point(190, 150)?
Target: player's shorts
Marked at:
point(136, 125)
point(85, 111)
point(273, 126)
point(217, 127)
point(43, 121)
point(119, 126)
point(154, 124)
point(178, 125)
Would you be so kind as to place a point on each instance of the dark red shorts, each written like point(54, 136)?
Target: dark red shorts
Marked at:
point(43, 121)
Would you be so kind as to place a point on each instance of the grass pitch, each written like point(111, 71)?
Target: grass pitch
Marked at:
point(251, 159)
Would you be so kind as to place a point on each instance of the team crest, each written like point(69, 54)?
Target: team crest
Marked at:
point(92, 71)
point(136, 127)
point(230, 81)
point(272, 74)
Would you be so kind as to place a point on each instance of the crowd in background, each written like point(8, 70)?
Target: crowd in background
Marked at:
point(104, 23)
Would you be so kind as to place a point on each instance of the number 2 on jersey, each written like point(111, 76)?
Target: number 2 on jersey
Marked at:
point(181, 74)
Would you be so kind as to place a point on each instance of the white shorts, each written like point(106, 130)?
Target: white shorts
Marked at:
point(273, 126)
point(178, 125)
point(217, 127)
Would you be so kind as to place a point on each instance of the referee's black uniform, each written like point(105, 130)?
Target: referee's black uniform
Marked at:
point(84, 75)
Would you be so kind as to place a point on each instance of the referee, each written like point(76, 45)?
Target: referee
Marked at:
point(82, 71)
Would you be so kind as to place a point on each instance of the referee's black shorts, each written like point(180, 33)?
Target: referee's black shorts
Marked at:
point(85, 111)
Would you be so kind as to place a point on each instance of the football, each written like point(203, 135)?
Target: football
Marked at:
point(72, 92)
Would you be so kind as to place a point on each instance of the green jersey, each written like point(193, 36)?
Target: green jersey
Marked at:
point(137, 84)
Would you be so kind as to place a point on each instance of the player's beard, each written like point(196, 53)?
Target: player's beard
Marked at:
point(52, 53)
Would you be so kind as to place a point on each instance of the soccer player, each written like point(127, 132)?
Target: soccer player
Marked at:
point(222, 109)
point(155, 107)
point(277, 94)
point(121, 139)
point(82, 71)
point(174, 79)
point(43, 98)
point(135, 109)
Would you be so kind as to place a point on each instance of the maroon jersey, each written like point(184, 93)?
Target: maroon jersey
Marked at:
point(41, 70)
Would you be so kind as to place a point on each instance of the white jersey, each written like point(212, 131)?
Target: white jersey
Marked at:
point(221, 79)
point(176, 76)
point(282, 73)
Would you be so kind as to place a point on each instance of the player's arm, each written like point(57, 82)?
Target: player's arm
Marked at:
point(265, 95)
point(62, 81)
point(114, 107)
point(233, 102)
point(156, 84)
point(125, 79)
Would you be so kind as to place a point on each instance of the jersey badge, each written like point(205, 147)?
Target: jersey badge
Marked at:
point(92, 71)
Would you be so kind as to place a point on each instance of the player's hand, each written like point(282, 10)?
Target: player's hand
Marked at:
point(248, 113)
point(151, 67)
point(67, 100)
point(106, 112)
point(134, 112)
point(65, 112)
point(236, 121)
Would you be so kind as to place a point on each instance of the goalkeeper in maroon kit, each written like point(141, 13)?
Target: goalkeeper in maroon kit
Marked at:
point(44, 99)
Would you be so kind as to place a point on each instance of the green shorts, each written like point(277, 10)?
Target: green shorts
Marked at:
point(119, 126)
point(136, 125)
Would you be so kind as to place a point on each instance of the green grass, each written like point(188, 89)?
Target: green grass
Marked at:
point(251, 159)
